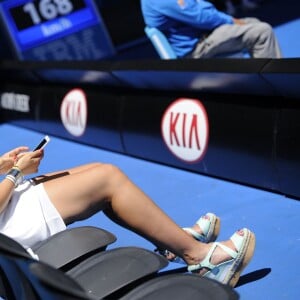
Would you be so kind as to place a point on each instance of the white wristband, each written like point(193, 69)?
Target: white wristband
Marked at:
point(15, 176)
point(12, 179)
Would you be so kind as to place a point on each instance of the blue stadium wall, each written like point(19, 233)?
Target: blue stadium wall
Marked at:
point(252, 109)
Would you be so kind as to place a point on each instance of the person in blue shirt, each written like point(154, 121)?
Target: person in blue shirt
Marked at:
point(196, 29)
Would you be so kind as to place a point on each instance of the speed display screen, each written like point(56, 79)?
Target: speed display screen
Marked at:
point(34, 22)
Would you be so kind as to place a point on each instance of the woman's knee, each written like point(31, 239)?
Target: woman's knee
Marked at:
point(109, 172)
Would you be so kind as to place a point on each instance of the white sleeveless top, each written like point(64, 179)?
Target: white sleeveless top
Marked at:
point(30, 217)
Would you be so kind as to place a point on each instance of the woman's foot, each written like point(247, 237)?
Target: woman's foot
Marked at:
point(225, 261)
point(205, 230)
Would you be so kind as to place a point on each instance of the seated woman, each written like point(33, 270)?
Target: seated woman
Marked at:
point(32, 210)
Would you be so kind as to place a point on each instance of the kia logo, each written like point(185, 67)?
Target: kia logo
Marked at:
point(185, 129)
point(73, 112)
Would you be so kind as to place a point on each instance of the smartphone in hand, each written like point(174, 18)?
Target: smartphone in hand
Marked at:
point(42, 143)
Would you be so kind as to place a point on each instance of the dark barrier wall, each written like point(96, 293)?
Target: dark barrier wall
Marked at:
point(243, 127)
point(240, 135)
point(43, 109)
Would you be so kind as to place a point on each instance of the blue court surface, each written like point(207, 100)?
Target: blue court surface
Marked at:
point(274, 272)
point(286, 33)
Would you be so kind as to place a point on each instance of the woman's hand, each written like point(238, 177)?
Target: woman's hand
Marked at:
point(8, 159)
point(29, 162)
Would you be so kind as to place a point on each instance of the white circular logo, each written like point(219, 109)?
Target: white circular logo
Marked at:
point(73, 112)
point(185, 129)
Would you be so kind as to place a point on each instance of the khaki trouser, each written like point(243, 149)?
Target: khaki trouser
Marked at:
point(255, 36)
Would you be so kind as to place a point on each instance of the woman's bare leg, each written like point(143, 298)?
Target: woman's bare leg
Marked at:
point(95, 187)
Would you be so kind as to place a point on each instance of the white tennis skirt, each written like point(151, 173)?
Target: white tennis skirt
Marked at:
point(30, 217)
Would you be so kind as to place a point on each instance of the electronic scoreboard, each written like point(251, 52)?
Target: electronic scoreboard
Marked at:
point(56, 29)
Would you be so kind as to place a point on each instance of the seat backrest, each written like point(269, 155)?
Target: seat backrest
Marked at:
point(178, 286)
point(67, 248)
point(160, 43)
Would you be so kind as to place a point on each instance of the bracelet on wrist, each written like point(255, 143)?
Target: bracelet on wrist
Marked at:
point(15, 175)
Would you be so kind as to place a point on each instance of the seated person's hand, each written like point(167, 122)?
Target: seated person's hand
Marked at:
point(8, 159)
point(29, 162)
point(239, 21)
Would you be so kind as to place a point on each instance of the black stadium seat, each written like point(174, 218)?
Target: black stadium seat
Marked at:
point(122, 267)
point(121, 273)
point(77, 244)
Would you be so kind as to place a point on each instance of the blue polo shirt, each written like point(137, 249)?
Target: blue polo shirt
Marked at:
point(183, 21)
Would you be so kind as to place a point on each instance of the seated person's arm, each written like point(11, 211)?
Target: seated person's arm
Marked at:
point(202, 14)
point(16, 163)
